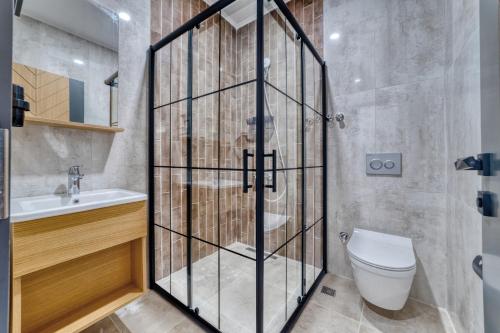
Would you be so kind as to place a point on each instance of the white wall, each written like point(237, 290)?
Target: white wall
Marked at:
point(419, 94)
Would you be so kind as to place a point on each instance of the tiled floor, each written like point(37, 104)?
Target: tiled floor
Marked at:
point(237, 294)
point(346, 312)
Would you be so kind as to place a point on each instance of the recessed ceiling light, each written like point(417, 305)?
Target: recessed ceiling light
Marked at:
point(124, 16)
point(335, 36)
point(357, 80)
point(78, 61)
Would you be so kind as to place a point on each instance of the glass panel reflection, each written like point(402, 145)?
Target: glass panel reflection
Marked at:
point(172, 276)
point(206, 280)
point(237, 293)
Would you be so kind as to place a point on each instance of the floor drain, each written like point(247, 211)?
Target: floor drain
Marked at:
point(328, 291)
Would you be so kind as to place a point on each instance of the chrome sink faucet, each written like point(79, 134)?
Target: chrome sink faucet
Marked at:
point(74, 177)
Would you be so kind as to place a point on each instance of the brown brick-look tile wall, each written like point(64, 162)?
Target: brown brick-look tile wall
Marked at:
point(233, 209)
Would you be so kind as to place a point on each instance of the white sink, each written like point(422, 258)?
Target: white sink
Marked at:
point(31, 208)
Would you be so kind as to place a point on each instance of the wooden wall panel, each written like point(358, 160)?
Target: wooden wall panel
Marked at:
point(25, 76)
point(47, 93)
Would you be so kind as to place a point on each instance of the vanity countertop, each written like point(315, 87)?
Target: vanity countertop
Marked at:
point(32, 208)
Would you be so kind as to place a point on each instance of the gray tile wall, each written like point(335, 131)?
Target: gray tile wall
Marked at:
point(406, 76)
point(41, 155)
point(387, 75)
point(463, 138)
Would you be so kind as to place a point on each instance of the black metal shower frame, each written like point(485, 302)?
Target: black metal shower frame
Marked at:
point(259, 164)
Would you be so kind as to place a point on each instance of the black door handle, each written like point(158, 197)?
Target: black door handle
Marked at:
point(477, 266)
point(246, 155)
point(273, 155)
point(481, 164)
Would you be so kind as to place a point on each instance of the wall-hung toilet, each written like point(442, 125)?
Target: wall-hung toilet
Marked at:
point(383, 266)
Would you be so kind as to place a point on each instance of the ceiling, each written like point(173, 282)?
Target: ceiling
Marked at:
point(242, 12)
point(82, 18)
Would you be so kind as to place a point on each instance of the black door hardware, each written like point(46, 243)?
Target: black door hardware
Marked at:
point(481, 164)
point(246, 155)
point(273, 155)
point(485, 203)
point(477, 266)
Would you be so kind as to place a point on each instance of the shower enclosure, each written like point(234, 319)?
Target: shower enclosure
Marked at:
point(237, 170)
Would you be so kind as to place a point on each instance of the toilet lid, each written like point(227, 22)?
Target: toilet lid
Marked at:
point(382, 250)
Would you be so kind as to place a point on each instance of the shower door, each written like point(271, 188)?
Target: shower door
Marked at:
point(237, 168)
point(204, 148)
point(294, 167)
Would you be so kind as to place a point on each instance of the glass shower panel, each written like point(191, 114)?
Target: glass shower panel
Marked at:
point(293, 151)
point(275, 200)
point(163, 197)
point(318, 193)
point(179, 68)
point(171, 263)
point(205, 136)
point(178, 201)
point(293, 203)
point(237, 169)
point(162, 76)
point(237, 292)
point(318, 248)
point(178, 274)
point(162, 136)
point(313, 138)
point(162, 255)
point(206, 57)
point(205, 205)
point(206, 280)
point(238, 45)
point(293, 63)
point(309, 77)
point(318, 88)
point(275, 50)
point(204, 172)
point(309, 259)
point(236, 214)
point(237, 127)
point(293, 273)
point(178, 134)
point(275, 292)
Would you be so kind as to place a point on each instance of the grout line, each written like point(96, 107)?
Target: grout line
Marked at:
point(361, 316)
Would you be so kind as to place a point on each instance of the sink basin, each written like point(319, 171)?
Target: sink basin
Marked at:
point(32, 208)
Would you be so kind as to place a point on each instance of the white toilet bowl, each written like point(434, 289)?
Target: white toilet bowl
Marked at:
point(383, 266)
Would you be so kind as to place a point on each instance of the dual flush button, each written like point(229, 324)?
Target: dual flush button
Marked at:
point(378, 164)
point(383, 164)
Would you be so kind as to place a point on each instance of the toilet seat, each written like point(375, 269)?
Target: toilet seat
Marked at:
point(382, 251)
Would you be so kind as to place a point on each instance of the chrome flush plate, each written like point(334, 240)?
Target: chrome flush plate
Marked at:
point(383, 164)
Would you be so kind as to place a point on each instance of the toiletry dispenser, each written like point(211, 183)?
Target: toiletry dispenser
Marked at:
point(19, 106)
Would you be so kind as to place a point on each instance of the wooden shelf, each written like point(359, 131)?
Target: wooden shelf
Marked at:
point(95, 311)
point(69, 124)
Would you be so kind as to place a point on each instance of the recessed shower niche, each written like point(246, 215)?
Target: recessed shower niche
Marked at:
point(237, 174)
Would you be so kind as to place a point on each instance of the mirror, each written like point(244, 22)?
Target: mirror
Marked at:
point(65, 56)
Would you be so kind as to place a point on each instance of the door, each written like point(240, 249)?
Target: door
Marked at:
point(5, 120)
point(490, 137)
